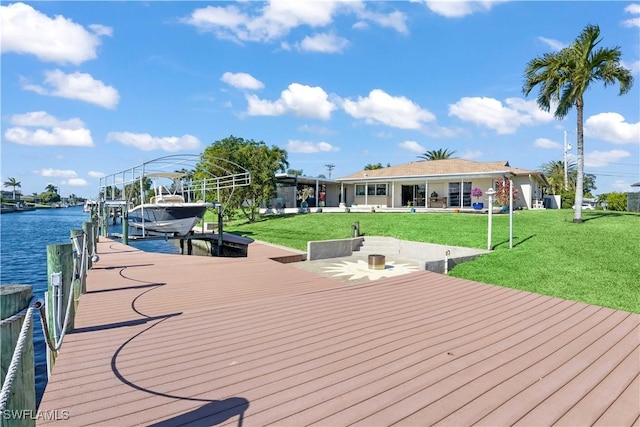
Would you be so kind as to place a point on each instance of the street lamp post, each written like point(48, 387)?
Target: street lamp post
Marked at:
point(490, 192)
point(567, 147)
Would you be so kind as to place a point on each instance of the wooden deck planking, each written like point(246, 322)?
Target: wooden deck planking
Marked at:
point(175, 339)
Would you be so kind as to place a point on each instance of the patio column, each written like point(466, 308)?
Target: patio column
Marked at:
point(426, 193)
point(317, 195)
point(341, 194)
point(461, 192)
point(366, 193)
point(393, 194)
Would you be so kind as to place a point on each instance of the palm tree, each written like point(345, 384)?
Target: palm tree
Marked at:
point(554, 172)
point(438, 154)
point(50, 188)
point(11, 182)
point(565, 76)
point(371, 166)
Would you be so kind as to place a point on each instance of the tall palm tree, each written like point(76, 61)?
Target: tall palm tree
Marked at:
point(438, 154)
point(11, 182)
point(51, 188)
point(565, 76)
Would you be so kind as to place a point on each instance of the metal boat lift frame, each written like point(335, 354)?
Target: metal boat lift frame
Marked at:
point(224, 175)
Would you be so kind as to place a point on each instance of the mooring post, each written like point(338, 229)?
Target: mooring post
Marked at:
point(60, 260)
point(22, 400)
point(80, 275)
point(95, 219)
point(105, 221)
point(87, 227)
point(220, 231)
point(124, 220)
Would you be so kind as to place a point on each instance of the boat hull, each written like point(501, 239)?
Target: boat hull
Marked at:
point(176, 219)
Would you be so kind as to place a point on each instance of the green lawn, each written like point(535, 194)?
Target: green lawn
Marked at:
point(597, 262)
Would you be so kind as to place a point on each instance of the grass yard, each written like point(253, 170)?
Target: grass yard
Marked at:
point(597, 262)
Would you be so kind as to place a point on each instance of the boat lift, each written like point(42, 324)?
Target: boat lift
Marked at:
point(127, 187)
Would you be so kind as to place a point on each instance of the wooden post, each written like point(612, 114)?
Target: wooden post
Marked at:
point(87, 227)
point(13, 299)
point(124, 220)
point(105, 220)
point(220, 231)
point(79, 282)
point(95, 219)
point(60, 260)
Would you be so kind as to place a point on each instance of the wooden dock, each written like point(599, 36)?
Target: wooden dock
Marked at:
point(171, 340)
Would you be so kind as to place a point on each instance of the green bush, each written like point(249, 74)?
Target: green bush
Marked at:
point(617, 201)
point(568, 199)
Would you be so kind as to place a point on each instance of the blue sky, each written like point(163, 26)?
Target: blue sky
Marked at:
point(92, 88)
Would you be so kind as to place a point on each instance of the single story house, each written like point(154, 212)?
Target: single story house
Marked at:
point(438, 184)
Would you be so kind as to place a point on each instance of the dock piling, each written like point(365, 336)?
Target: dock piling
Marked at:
point(22, 399)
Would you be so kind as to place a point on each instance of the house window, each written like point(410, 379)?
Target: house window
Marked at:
point(377, 190)
point(360, 190)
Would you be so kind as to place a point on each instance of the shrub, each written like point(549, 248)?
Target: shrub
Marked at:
point(617, 201)
point(502, 192)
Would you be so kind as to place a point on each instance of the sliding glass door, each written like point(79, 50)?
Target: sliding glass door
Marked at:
point(455, 194)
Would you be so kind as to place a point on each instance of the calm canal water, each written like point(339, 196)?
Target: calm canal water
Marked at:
point(24, 238)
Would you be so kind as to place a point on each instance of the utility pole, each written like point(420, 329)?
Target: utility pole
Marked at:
point(330, 167)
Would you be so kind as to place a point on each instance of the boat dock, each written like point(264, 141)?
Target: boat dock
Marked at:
point(168, 340)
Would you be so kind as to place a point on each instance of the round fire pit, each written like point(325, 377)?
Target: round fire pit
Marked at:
point(376, 262)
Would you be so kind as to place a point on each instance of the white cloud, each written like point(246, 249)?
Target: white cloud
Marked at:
point(57, 173)
point(242, 81)
point(44, 119)
point(274, 20)
point(146, 142)
point(471, 154)
point(318, 130)
point(547, 143)
point(298, 100)
point(296, 146)
point(96, 174)
point(394, 111)
point(459, 8)
point(491, 113)
point(77, 85)
point(323, 43)
point(634, 66)
point(58, 133)
point(56, 137)
point(28, 31)
point(621, 185)
point(395, 20)
point(597, 159)
point(412, 146)
point(75, 182)
point(635, 10)
point(101, 30)
point(553, 44)
point(612, 127)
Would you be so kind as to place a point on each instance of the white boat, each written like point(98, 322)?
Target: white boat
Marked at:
point(167, 212)
point(89, 205)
